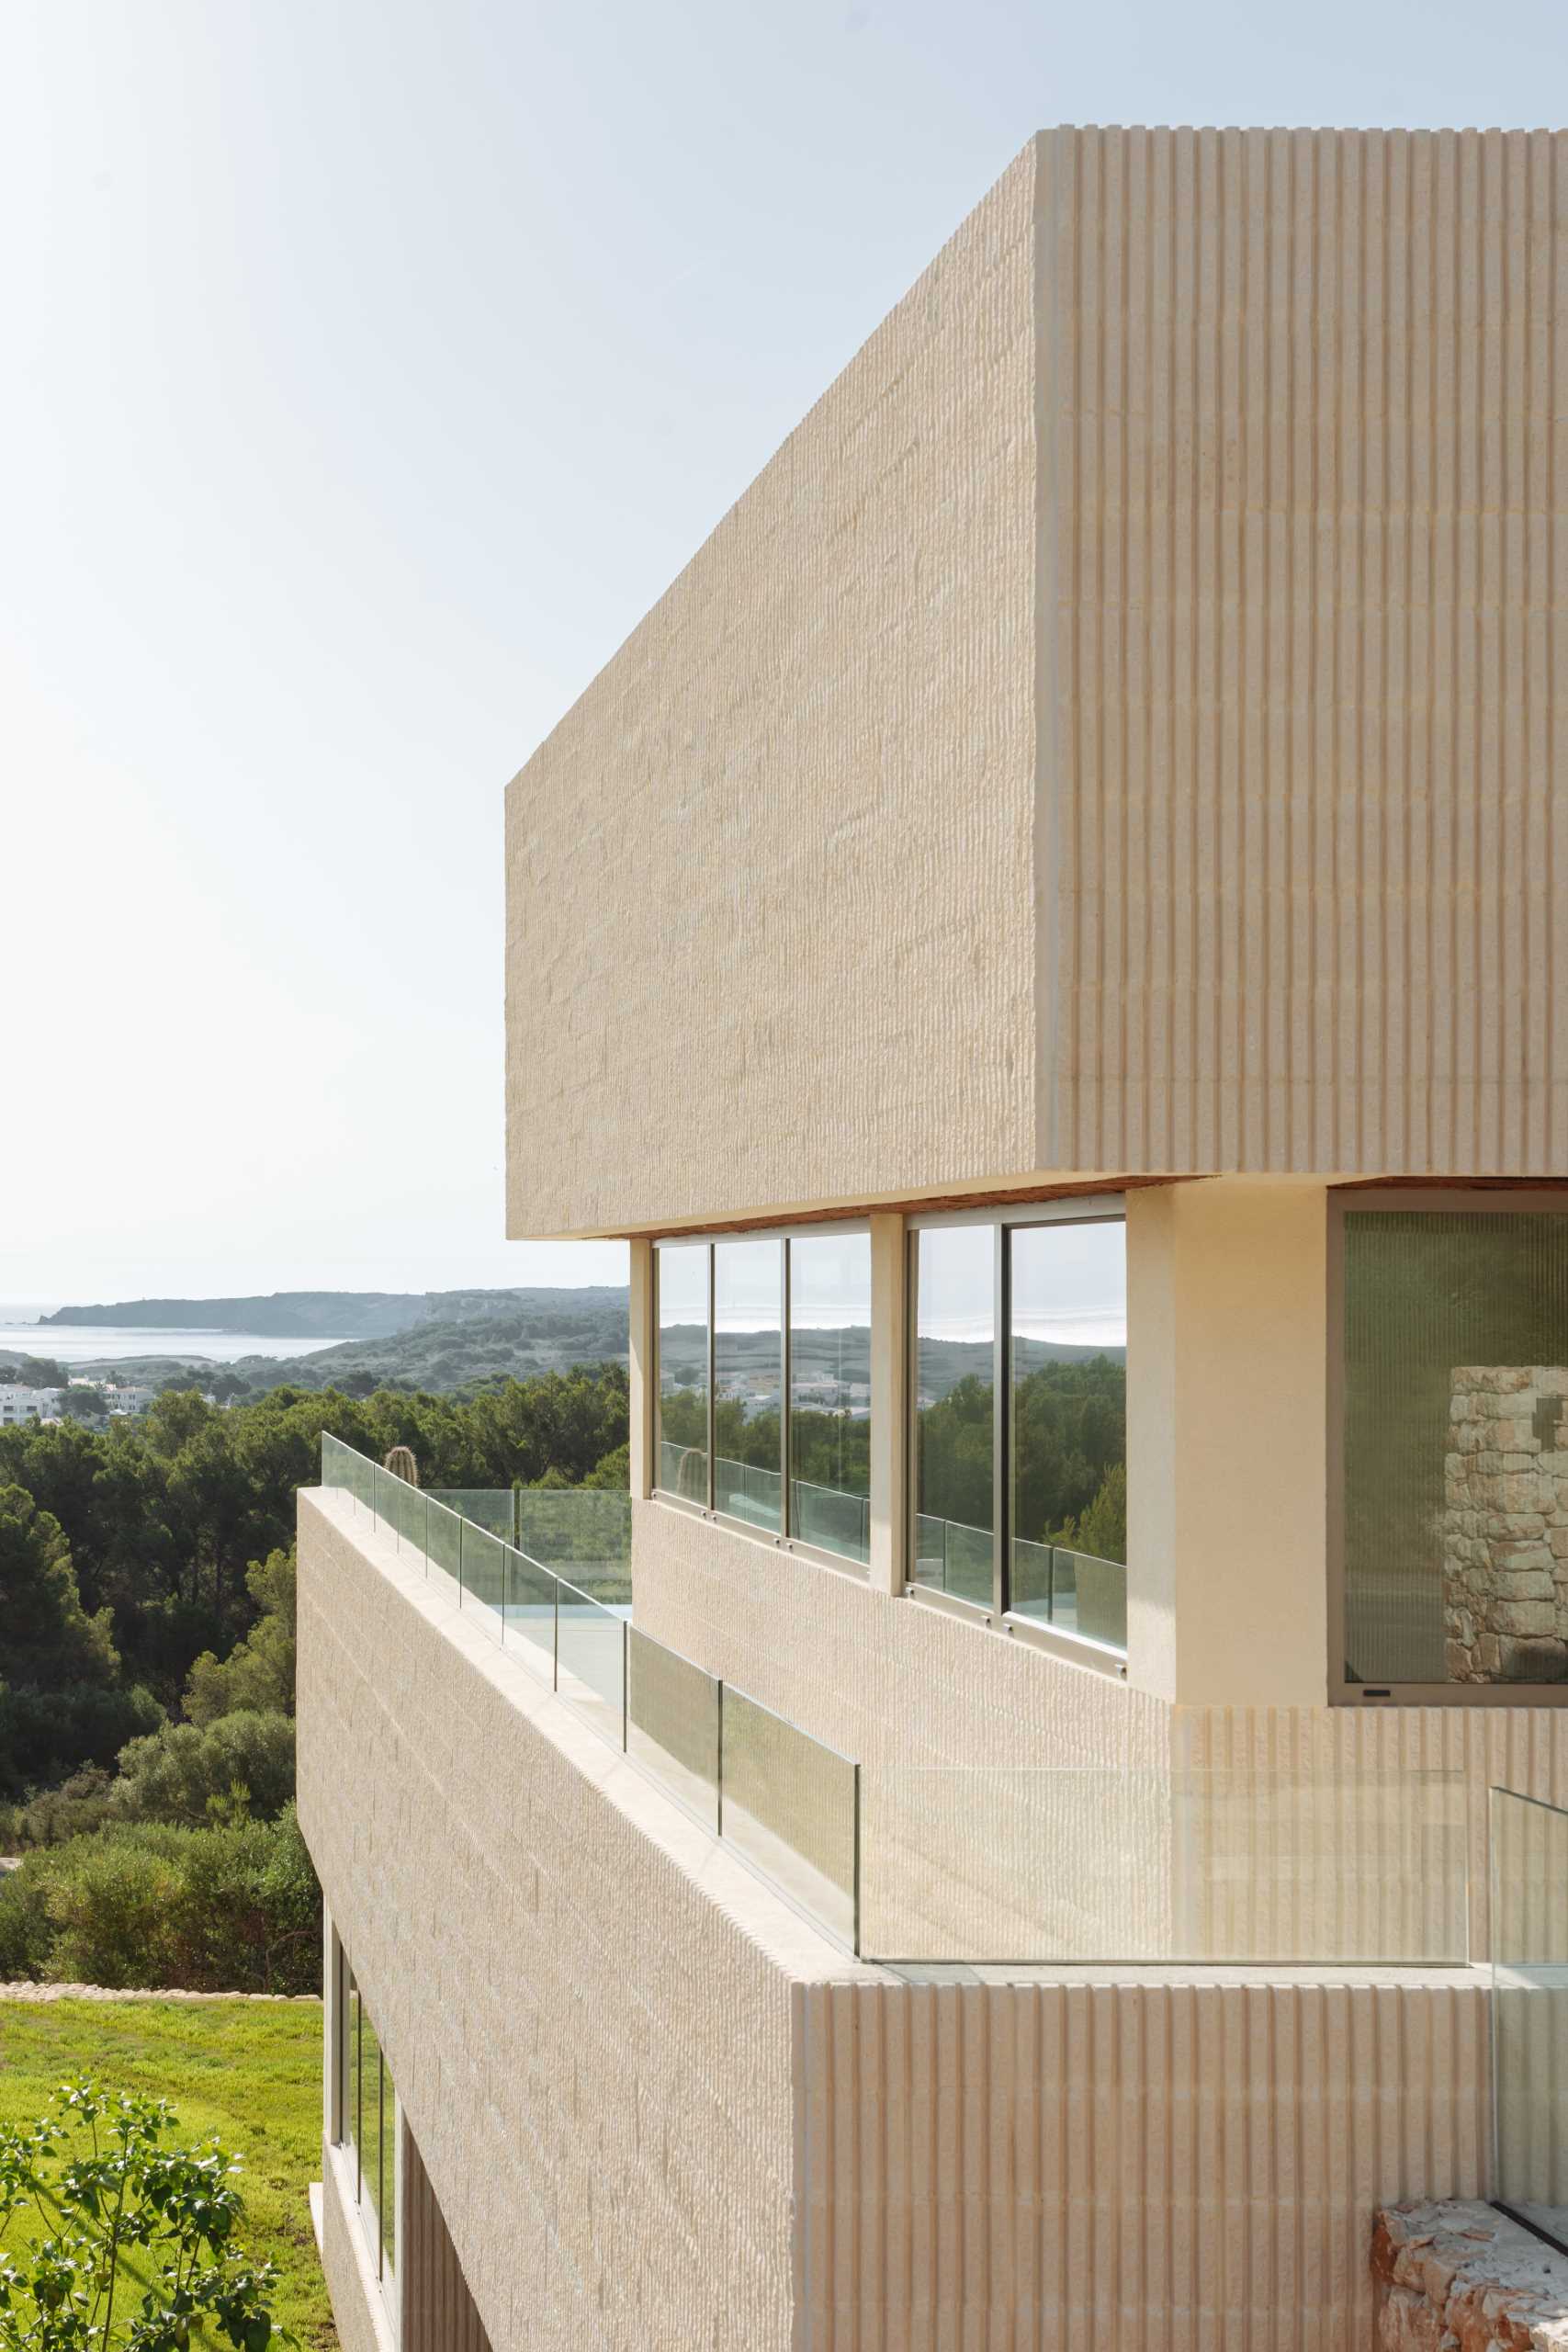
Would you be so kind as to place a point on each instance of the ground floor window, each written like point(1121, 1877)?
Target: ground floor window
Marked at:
point(368, 2111)
point(1453, 1441)
point(1019, 1382)
point(763, 1385)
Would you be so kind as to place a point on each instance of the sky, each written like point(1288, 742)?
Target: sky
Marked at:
point(370, 369)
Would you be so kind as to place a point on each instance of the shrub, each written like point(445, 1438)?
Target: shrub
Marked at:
point(48, 1819)
point(184, 1773)
point(27, 1931)
point(230, 1908)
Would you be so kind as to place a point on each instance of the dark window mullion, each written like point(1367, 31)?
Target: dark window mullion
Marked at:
point(1001, 1580)
point(785, 1527)
point(380, 2156)
point(359, 2099)
point(713, 1396)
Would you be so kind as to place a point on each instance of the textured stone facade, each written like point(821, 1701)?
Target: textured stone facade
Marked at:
point(658, 2112)
point(1079, 747)
point(1505, 1529)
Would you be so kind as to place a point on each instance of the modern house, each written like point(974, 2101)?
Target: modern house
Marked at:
point(1050, 941)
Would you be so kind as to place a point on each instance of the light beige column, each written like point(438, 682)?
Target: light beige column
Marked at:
point(642, 1370)
point(1227, 1441)
point(889, 1357)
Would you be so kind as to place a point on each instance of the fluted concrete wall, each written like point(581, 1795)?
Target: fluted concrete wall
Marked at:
point(1306, 435)
point(1144, 2167)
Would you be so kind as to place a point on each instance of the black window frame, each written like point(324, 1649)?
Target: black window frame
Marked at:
point(785, 1538)
point(1094, 1208)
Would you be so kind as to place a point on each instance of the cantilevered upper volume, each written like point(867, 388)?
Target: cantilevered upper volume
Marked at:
point(1115, 734)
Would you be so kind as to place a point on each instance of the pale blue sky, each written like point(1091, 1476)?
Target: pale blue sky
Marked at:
point(370, 369)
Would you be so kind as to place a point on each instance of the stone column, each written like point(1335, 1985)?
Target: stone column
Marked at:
point(1227, 1441)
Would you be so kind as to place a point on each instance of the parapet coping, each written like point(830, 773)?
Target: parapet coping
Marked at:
point(781, 1933)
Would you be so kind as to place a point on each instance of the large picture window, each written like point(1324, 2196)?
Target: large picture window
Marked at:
point(779, 1438)
point(1020, 1434)
point(1454, 1445)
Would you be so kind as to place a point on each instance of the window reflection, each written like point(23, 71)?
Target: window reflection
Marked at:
point(955, 1394)
point(1456, 1446)
point(829, 1392)
point(369, 2125)
point(1068, 1366)
point(747, 1371)
point(683, 1370)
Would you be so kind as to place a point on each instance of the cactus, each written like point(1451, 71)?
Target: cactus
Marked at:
point(402, 1465)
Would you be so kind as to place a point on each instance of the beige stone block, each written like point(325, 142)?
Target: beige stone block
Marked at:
point(1524, 1617)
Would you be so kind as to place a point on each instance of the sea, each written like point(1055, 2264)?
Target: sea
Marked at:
point(70, 1344)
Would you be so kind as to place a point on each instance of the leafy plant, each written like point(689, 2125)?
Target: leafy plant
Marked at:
point(112, 2240)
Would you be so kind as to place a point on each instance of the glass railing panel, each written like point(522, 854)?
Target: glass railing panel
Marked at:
point(443, 1538)
point(791, 1805)
point(749, 1491)
point(831, 1518)
point(672, 1724)
point(483, 1578)
point(684, 1471)
point(993, 1864)
point(1088, 1596)
point(584, 1533)
point(1031, 1580)
point(591, 1660)
point(530, 1612)
point(957, 1559)
point(489, 1507)
point(1529, 2010)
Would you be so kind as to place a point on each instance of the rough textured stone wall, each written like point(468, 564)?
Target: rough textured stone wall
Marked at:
point(592, 2052)
point(1462, 2278)
point(1505, 1529)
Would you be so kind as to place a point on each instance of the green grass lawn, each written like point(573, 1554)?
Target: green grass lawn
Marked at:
point(250, 2071)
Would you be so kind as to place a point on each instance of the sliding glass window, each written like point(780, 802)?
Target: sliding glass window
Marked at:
point(1068, 1450)
point(368, 2107)
point(786, 1423)
point(1019, 1418)
point(829, 1392)
point(1453, 1445)
point(748, 1379)
point(683, 1275)
point(955, 1337)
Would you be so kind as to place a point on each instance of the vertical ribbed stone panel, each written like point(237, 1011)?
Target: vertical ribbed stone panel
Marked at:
point(1144, 2167)
point(1303, 856)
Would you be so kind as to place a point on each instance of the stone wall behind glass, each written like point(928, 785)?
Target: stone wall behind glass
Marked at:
point(1504, 1524)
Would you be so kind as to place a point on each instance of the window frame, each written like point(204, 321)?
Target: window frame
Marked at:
point(348, 2120)
point(785, 1539)
point(1078, 1208)
point(1437, 1201)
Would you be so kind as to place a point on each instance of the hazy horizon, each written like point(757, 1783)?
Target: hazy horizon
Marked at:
point(370, 371)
